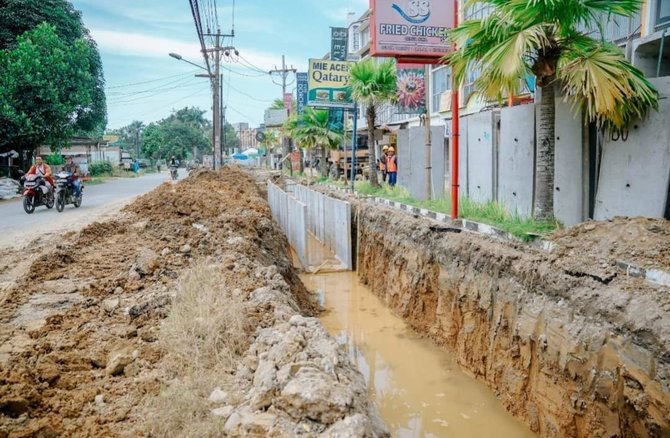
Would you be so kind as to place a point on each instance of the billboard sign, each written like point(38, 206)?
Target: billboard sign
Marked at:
point(411, 83)
point(301, 91)
point(410, 28)
point(329, 84)
point(275, 117)
point(338, 43)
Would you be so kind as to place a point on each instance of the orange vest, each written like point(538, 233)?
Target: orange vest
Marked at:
point(382, 163)
point(391, 165)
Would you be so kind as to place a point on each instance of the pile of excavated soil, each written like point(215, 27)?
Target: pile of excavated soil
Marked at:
point(79, 328)
point(643, 242)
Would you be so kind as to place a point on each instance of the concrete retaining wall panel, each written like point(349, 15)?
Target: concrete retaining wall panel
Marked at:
point(635, 171)
point(516, 158)
point(568, 177)
point(404, 159)
point(480, 156)
point(414, 169)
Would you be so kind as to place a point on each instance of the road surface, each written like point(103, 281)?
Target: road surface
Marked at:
point(100, 201)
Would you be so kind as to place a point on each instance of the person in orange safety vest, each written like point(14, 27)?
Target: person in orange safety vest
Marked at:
point(392, 166)
point(382, 162)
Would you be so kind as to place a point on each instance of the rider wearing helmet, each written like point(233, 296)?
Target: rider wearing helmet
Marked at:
point(73, 168)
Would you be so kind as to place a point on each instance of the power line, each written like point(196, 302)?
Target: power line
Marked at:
point(144, 113)
point(123, 94)
point(257, 75)
point(156, 93)
point(151, 81)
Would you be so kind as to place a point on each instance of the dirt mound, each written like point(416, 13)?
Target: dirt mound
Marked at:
point(642, 241)
point(84, 353)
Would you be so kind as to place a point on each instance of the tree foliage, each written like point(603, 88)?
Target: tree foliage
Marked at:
point(544, 38)
point(45, 88)
point(183, 133)
point(20, 16)
point(372, 85)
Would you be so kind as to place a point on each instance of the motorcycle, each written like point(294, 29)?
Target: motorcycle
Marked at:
point(173, 173)
point(65, 191)
point(36, 193)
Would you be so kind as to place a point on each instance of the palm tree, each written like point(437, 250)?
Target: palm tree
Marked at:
point(312, 131)
point(543, 38)
point(372, 85)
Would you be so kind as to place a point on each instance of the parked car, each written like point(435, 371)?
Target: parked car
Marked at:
point(143, 162)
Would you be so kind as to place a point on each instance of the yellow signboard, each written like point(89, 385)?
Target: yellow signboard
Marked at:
point(329, 84)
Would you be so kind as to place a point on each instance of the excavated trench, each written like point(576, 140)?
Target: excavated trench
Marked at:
point(571, 345)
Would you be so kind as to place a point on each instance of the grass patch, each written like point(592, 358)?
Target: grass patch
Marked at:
point(204, 336)
point(491, 213)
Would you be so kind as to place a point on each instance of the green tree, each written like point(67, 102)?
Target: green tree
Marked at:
point(129, 135)
point(153, 141)
point(230, 138)
point(20, 16)
point(313, 131)
point(184, 134)
point(45, 85)
point(543, 38)
point(372, 85)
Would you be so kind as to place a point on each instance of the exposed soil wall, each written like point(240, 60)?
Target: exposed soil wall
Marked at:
point(181, 317)
point(570, 348)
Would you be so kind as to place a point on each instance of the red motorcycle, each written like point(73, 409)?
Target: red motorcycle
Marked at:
point(36, 193)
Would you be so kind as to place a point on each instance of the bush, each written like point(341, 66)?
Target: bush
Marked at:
point(54, 160)
point(98, 168)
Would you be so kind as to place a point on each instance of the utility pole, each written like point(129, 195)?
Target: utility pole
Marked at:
point(218, 157)
point(283, 73)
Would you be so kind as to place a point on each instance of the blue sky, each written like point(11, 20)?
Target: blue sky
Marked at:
point(135, 37)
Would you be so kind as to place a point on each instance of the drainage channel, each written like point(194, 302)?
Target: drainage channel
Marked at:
point(419, 390)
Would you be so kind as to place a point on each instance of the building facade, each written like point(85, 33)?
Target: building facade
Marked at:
point(597, 175)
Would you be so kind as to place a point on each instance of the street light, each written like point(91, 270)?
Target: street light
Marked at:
point(178, 57)
point(216, 127)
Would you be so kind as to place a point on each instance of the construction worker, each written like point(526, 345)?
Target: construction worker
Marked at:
point(392, 166)
point(382, 162)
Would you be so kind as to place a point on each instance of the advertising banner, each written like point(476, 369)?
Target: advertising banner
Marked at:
point(275, 117)
point(329, 84)
point(302, 80)
point(336, 119)
point(410, 28)
point(338, 43)
point(288, 102)
point(411, 83)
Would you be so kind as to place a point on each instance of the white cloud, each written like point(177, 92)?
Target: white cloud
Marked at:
point(149, 46)
point(136, 44)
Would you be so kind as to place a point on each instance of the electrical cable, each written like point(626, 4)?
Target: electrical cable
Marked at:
point(257, 75)
point(151, 81)
point(145, 113)
point(122, 94)
point(131, 99)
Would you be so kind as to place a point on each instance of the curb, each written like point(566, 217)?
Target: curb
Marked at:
point(656, 276)
point(466, 224)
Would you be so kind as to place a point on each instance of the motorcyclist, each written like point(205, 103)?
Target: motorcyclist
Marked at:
point(73, 168)
point(173, 162)
point(40, 168)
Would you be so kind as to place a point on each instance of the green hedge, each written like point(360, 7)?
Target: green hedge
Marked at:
point(98, 168)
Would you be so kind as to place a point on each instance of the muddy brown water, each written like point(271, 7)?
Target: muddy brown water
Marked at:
point(419, 389)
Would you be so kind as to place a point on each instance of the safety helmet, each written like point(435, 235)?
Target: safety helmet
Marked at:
point(385, 148)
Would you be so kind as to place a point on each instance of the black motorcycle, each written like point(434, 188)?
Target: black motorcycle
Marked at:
point(36, 193)
point(173, 173)
point(65, 191)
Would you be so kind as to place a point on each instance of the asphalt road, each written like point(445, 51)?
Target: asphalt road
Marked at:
point(100, 201)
